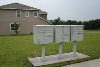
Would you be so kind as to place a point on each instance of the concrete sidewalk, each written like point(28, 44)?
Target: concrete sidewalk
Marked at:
point(91, 63)
point(53, 59)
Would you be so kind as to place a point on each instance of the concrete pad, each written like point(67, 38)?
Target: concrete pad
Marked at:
point(91, 63)
point(53, 59)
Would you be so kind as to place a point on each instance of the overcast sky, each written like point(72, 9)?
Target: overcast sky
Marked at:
point(80, 10)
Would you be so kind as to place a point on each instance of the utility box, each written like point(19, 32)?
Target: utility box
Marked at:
point(43, 34)
point(77, 32)
point(62, 33)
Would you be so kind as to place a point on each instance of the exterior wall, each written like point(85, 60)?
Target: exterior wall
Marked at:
point(43, 16)
point(9, 16)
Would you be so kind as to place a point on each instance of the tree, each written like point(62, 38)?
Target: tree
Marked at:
point(56, 21)
point(79, 23)
point(16, 25)
point(88, 25)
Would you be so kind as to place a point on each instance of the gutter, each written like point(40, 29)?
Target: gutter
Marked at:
point(17, 8)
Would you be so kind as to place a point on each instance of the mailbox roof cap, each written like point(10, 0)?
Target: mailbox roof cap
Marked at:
point(77, 25)
point(49, 25)
point(74, 25)
point(43, 25)
point(38, 25)
point(80, 25)
point(66, 25)
point(59, 25)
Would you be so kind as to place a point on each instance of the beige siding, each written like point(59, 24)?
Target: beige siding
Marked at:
point(43, 16)
point(9, 16)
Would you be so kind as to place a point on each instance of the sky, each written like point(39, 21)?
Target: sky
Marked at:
point(79, 10)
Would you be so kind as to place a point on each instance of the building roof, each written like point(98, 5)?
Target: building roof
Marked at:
point(21, 7)
point(42, 12)
point(16, 6)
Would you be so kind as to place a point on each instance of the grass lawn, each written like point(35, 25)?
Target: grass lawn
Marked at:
point(15, 50)
point(92, 30)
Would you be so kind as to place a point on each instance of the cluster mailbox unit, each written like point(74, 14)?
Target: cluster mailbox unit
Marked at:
point(44, 34)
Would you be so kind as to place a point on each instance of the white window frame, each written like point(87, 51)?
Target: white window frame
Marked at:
point(37, 13)
point(13, 27)
point(26, 12)
point(16, 13)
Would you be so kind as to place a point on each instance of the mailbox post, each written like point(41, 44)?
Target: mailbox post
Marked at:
point(74, 48)
point(60, 51)
point(43, 53)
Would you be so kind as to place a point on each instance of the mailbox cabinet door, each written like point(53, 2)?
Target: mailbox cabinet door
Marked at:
point(58, 34)
point(80, 33)
point(41, 35)
point(49, 34)
point(66, 34)
point(74, 33)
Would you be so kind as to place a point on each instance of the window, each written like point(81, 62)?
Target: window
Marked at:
point(12, 28)
point(35, 14)
point(18, 13)
point(27, 13)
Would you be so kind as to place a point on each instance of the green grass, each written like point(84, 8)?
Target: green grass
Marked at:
point(15, 50)
point(92, 30)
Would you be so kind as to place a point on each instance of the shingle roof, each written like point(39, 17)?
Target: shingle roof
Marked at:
point(42, 12)
point(16, 6)
point(21, 6)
